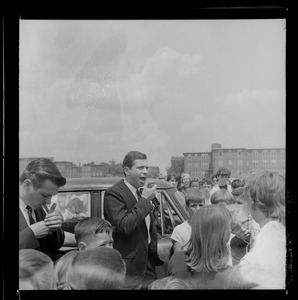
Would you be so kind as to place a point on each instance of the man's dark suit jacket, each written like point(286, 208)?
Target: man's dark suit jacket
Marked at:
point(127, 215)
point(48, 244)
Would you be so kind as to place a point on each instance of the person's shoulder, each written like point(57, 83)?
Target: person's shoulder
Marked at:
point(119, 184)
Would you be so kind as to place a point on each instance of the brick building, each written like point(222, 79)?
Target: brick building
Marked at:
point(241, 161)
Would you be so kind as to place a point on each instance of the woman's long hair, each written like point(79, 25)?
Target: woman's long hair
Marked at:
point(211, 228)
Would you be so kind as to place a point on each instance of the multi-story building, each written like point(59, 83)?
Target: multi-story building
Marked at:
point(241, 161)
point(93, 170)
point(23, 162)
point(65, 167)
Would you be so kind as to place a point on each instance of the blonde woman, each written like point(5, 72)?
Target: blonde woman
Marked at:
point(265, 196)
point(206, 262)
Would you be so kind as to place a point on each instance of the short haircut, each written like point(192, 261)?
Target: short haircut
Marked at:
point(130, 157)
point(40, 264)
point(61, 267)
point(27, 280)
point(207, 181)
point(87, 228)
point(99, 268)
point(223, 171)
point(237, 183)
point(211, 228)
point(169, 283)
point(222, 195)
point(39, 170)
point(185, 175)
point(170, 176)
point(267, 191)
point(195, 194)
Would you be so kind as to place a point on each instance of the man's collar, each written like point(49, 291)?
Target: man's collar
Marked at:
point(132, 188)
point(22, 204)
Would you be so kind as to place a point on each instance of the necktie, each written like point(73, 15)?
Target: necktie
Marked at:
point(147, 219)
point(31, 220)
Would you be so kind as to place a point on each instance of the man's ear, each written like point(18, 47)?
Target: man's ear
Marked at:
point(126, 170)
point(27, 184)
point(82, 246)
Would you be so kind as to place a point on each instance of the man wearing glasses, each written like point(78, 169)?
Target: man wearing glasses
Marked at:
point(222, 175)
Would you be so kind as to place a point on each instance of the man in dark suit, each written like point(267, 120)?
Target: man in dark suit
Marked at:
point(135, 235)
point(37, 229)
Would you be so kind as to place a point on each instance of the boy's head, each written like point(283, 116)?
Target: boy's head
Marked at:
point(95, 269)
point(93, 232)
point(194, 199)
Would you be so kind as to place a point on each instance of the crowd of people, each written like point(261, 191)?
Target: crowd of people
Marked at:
point(234, 238)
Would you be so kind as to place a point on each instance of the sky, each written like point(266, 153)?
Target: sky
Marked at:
point(92, 90)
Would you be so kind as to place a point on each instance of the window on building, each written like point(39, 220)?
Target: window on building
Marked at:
point(273, 162)
point(273, 152)
point(230, 162)
point(189, 156)
point(254, 153)
point(204, 156)
point(239, 152)
point(254, 162)
point(196, 165)
point(219, 153)
point(220, 163)
point(240, 163)
point(265, 153)
point(265, 162)
point(230, 152)
point(189, 165)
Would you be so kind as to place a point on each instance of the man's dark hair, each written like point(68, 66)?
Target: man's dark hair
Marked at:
point(130, 157)
point(223, 171)
point(39, 170)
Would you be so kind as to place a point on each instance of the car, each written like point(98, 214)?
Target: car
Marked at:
point(84, 197)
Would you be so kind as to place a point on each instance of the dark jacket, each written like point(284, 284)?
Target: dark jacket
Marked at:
point(48, 244)
point(127, 215)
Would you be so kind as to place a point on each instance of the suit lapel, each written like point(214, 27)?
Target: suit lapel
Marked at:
point(22, 221)
point(128, 193)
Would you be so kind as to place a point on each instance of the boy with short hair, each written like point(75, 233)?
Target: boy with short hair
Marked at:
point(194, 199)
point(96, 269)
point(93, 232)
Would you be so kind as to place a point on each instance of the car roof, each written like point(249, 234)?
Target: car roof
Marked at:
point(105, 182)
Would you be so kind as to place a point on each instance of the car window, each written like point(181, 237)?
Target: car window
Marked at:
point(73, 206)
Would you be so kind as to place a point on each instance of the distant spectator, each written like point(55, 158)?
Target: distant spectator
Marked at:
point(96, 269)
point(40, 265)
point(194, 199)
point(169, 283)
point(251, 276)
point(185, 182)
point(265, 195)
point(93, 232)
point(222, 176)
point(205, 263)
point(61, 267)
point(207, 184)
point(174, 180)
point(237, 186)
point(222, 197)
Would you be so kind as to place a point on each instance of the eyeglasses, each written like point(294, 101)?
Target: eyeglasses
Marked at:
point(237, 228)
